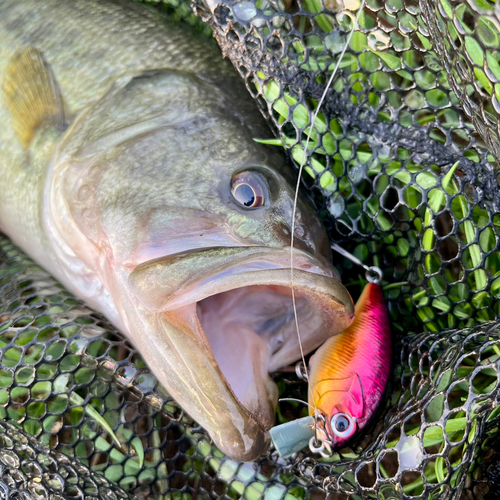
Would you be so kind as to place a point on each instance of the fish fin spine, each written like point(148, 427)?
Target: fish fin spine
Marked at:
point(32, 94)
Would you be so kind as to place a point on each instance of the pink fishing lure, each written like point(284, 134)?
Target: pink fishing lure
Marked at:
point(349, 372)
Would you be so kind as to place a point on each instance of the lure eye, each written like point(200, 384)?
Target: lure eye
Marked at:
point(343, 425)
point(248, 189)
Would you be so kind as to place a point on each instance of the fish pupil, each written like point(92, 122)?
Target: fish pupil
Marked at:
point(341, 424)
point(245, 195)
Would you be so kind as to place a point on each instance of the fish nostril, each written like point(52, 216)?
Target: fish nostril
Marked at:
point(299, 231)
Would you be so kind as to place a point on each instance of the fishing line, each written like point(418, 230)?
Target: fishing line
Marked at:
point(297, 401)
point(301, 168)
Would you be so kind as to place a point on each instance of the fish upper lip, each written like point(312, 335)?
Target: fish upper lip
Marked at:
point(194, 281)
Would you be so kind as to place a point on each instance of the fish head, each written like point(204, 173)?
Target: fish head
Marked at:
point(342, 409)
point(180, 223)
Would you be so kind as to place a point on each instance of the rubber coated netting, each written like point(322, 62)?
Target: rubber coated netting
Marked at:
point(396, 165)
point(401, 164)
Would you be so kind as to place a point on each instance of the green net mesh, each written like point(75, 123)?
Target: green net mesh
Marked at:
point(30, 470)
point(466, 38)
point(382, 157)
point(401, 163)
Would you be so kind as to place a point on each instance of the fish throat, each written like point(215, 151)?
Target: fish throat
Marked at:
point(247, 329)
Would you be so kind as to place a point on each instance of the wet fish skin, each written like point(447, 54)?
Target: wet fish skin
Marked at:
point(138, 176)
point(85, 71)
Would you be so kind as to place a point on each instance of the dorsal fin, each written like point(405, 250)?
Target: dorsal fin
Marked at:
point(32, 94)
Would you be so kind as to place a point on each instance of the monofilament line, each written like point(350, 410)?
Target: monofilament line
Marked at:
point(297, 401)
point(301, 168)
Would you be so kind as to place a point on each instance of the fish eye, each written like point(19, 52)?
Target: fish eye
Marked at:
point(248, 189)
point(343, 425)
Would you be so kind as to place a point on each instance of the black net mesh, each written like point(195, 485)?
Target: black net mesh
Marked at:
point(389, 132)
point(29, 470)
point(469, 53)
point(73, 387)
point(401, 163)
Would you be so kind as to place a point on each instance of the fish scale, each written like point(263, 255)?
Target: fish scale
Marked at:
point(88, 29)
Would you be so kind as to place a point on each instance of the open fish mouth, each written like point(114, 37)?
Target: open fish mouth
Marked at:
point(230, 312)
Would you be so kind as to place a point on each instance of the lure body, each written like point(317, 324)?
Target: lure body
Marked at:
point(349, 372)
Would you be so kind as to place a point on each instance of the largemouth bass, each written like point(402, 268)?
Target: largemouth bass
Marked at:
point(129, 171)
